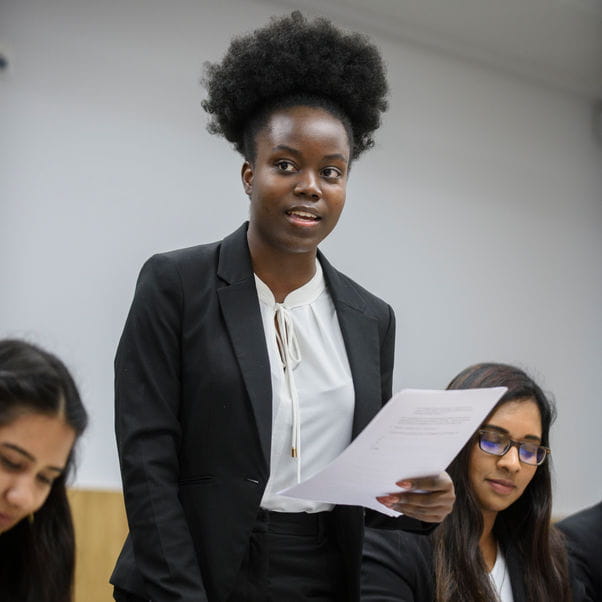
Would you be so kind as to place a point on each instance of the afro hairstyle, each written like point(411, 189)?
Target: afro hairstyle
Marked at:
point(294, 61)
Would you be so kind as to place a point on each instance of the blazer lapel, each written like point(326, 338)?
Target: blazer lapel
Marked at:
point(515, 572)
point(360, 334)
point(242, 315)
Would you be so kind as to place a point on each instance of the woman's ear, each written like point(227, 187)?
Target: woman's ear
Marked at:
point(246, 174)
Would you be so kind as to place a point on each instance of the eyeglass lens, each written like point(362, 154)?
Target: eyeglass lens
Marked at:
point(498, 444)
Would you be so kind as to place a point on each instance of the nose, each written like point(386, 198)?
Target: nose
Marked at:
point(308, 184)
point(21, 495)
point(510, 460)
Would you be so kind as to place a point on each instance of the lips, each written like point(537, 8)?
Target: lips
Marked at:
point(501, 486)
point(303, 215)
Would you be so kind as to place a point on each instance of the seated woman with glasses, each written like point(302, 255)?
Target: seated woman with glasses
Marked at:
point(41, 416)
point(497, 543)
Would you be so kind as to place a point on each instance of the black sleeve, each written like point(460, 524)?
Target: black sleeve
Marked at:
point(147, 400)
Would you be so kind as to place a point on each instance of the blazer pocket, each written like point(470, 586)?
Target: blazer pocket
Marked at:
point(198, 480)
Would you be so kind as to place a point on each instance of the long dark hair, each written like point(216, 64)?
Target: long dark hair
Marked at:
point(460, 572)
point(37, 557)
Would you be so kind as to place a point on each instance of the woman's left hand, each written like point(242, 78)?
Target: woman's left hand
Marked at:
point(429, 499)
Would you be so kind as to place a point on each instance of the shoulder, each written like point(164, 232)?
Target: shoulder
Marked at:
point(175, 274)
point(369, 298)
point(184, 259)
point(197, 266)
point(586, 523)
point(349, 292)
point(229, 258)
point(583, 533)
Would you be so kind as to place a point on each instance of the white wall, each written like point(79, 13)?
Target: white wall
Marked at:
point(483, 196)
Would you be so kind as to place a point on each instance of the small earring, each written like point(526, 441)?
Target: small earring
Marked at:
point(31, 519)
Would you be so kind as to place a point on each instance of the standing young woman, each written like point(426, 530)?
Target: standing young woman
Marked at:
point(248, 364)
point(498, 543)
point(41, 416)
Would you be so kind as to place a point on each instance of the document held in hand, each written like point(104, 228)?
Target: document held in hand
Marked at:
point(416, 434)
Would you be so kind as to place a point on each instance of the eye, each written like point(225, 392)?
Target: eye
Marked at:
point(491, 446)
point(45, 480)
point(331, 173)
point(492, 442)
point(9, 464)
point(285, 166)
point(529, 451)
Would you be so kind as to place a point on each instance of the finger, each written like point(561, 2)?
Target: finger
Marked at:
point(419, 499)
point(438, 482)
point(418, 506)
point(425, 500)
point(425, 517)
point(434, 509)
point(416, 499)
point(433, 515)
point(435, 499)
point(429, 507)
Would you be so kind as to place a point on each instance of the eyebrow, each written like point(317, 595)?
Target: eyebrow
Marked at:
point(294, 151)
point(503, 431)
point(31, 458)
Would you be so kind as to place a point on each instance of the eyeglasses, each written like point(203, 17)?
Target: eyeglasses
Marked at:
point(498, 444)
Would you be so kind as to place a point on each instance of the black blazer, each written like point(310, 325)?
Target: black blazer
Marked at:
point(193, 417)
point(584, 541)
point(398, 567)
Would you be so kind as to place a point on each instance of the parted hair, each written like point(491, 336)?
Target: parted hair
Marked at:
point(294, 61)
point(37, 558)
point(525, 526)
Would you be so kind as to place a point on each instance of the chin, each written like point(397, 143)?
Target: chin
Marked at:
point(298, 246)
point(496, 504)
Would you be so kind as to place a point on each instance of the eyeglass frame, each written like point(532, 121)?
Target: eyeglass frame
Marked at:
point(510, 443)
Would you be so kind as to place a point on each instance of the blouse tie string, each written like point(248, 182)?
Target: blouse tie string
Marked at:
point(290, 354)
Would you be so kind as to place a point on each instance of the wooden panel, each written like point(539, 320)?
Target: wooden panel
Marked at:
point(100, 530)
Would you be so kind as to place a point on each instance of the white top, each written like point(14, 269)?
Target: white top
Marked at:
point(312, 390)
point(500, 578)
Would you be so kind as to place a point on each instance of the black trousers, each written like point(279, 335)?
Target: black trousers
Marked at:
point(291, 557)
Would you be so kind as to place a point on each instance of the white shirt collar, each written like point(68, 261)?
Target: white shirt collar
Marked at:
point(304, 295)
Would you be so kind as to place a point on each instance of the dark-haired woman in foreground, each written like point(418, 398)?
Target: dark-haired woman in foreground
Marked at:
point(248, 364)
point(41, 416)
point(497, 543)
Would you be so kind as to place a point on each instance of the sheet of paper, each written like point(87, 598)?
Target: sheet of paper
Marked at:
point(417, 433)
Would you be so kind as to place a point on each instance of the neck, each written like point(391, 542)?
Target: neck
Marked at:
point(282, 272)
point(487, 541)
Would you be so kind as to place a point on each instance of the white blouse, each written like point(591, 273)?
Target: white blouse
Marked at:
point(312, 390)
point(501, 579)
